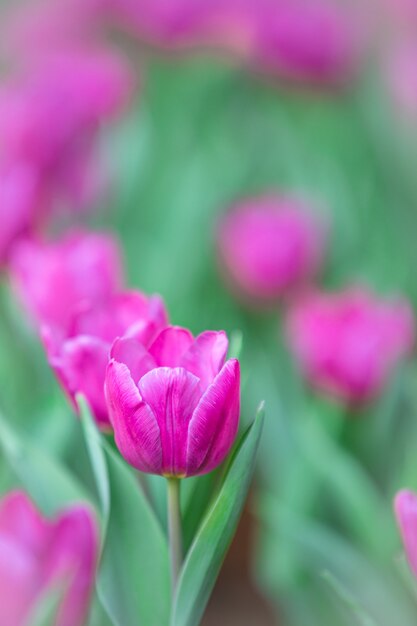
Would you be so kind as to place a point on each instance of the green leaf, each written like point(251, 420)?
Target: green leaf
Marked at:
point(209, 547)
point(133, 581)
point(96, 455)
point(47, 481)
point(348, 600)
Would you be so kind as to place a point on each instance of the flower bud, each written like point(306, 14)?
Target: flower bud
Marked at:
point(347, 344)
point(269, 245)
point(40, 556)
point(175, 406)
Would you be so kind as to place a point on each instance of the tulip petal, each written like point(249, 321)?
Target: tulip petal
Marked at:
point(405, 505)
point(80, 366)
point(206, 356)
point(20, 519)
point(72, 559)
point(172, 394)
point(170, 345)
point(136, 429)
point(132, 353)
point(215, 421)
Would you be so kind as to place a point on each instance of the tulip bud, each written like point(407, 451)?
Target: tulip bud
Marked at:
point(80, 359)
point(405, 506)
point(53, 278)
point(348, 344)
point(269, 245)
point(175, 406)
point(40, 556)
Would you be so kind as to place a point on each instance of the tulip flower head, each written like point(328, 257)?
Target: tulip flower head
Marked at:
point(53, 278)
point(405, 506)
point(40, 556)
point(174, 406)
point(269, 245)
point(78, 87)
point(348, 344)
point(80, 358)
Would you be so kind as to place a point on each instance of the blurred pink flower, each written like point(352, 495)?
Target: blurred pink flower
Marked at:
point(269, 245)
point(51, 113)
point(54, 278)
point(20, 205)
point(298, 39)
point(80, 359)
point(29, 26)
point(405, 505)
point(174, 406)
point(38, 556)
point(347, 344)
point(401, 77)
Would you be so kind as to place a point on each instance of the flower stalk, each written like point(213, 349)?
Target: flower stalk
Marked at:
point(174, 530)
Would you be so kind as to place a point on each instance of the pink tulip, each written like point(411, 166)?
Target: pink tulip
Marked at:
point(40, 556)
point(54, 278)
point(401, 78)
point(347, 344)
point(306, 41)
point(32, 25)
point(405, 505)
point(80, 359)
point(269, 245)
point(298, 39)
point(20, 205)
point(174, 406)
point(51, 114)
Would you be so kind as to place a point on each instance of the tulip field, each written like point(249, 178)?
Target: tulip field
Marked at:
point(208, 300)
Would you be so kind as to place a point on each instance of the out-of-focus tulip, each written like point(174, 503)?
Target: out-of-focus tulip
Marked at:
point(20, 205)
point(54, 278)
point(175, 406)
point(81, 358)
point(78, 88)
point(347, 344)
point(405, 506)
point(29, 26)
point(38, 556)
point(302, 40)
point(401, 77)
point(269, 245)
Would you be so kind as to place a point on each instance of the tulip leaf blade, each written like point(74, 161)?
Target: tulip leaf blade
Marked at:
point(96, 456)
point(133, 580)
point(212, 540)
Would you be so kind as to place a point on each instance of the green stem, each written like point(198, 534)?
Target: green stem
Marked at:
point(174, 530)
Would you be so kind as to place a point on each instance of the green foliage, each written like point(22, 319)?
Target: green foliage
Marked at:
point(208, 549)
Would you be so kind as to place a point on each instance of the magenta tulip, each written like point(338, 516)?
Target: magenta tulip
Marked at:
point(81, 357)
point(305, 41)
point(54, 278)
point(406, 512)
point(175, 406)
point(401, 78)
point(269, 245)
point(347, 344)
point(40, 556)
point(20, 205)
point(79, 88)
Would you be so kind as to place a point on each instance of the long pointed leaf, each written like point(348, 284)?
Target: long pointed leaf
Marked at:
point(209, 547)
